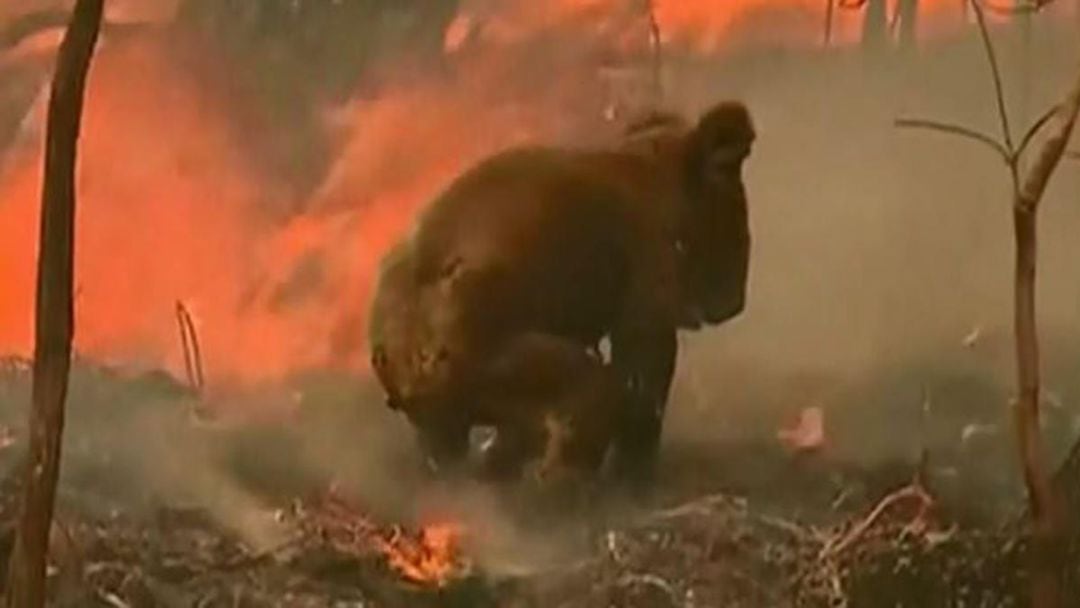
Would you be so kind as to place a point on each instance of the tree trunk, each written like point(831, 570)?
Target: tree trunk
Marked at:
point(830, 12)
point(1046, 531)
point(54, 323)
point(909, 21)
point(875, 24)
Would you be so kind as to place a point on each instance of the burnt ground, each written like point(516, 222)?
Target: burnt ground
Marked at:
point(159, 508)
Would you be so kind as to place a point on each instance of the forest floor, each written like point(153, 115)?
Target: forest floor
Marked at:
point(324, 507)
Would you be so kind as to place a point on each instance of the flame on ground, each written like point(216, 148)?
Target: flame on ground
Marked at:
point(430, 557)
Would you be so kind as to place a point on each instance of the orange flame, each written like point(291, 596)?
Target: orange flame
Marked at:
point(709, 25)
point(431, 558)
point(171, 208)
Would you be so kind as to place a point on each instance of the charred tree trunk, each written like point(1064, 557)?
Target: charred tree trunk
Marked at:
point(875, 24)
point(54, 323)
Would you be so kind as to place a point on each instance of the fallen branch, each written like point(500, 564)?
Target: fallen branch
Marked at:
point(54, 322)
point(912, 491)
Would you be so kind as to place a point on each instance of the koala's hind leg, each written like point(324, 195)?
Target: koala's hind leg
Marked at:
point(551, 400)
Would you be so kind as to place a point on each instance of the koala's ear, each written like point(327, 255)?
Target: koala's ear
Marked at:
point(723, 138)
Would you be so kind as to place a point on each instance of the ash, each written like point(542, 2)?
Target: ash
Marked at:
point(256, 517)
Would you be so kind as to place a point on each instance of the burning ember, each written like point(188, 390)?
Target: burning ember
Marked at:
point(430, 556)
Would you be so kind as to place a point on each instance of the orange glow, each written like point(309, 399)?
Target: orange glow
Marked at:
point(701, 25)
point(170, 209)
point(710, 24)
point(431, 558)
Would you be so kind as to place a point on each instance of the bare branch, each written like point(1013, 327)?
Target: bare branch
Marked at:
point(971, 134)
point(911, 492)
point(1038, 176)
point(995, 71)
point(1034, 130)
point(189, 342)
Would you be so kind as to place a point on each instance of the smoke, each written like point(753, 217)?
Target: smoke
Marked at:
point(882, 265)
point(172, 206)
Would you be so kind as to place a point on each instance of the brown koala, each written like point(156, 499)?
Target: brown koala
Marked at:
point(492, 310)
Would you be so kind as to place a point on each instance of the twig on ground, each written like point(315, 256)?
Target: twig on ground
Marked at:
point(701, 506)
point(911, 491)
point(112, 599)
point(651, 580)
